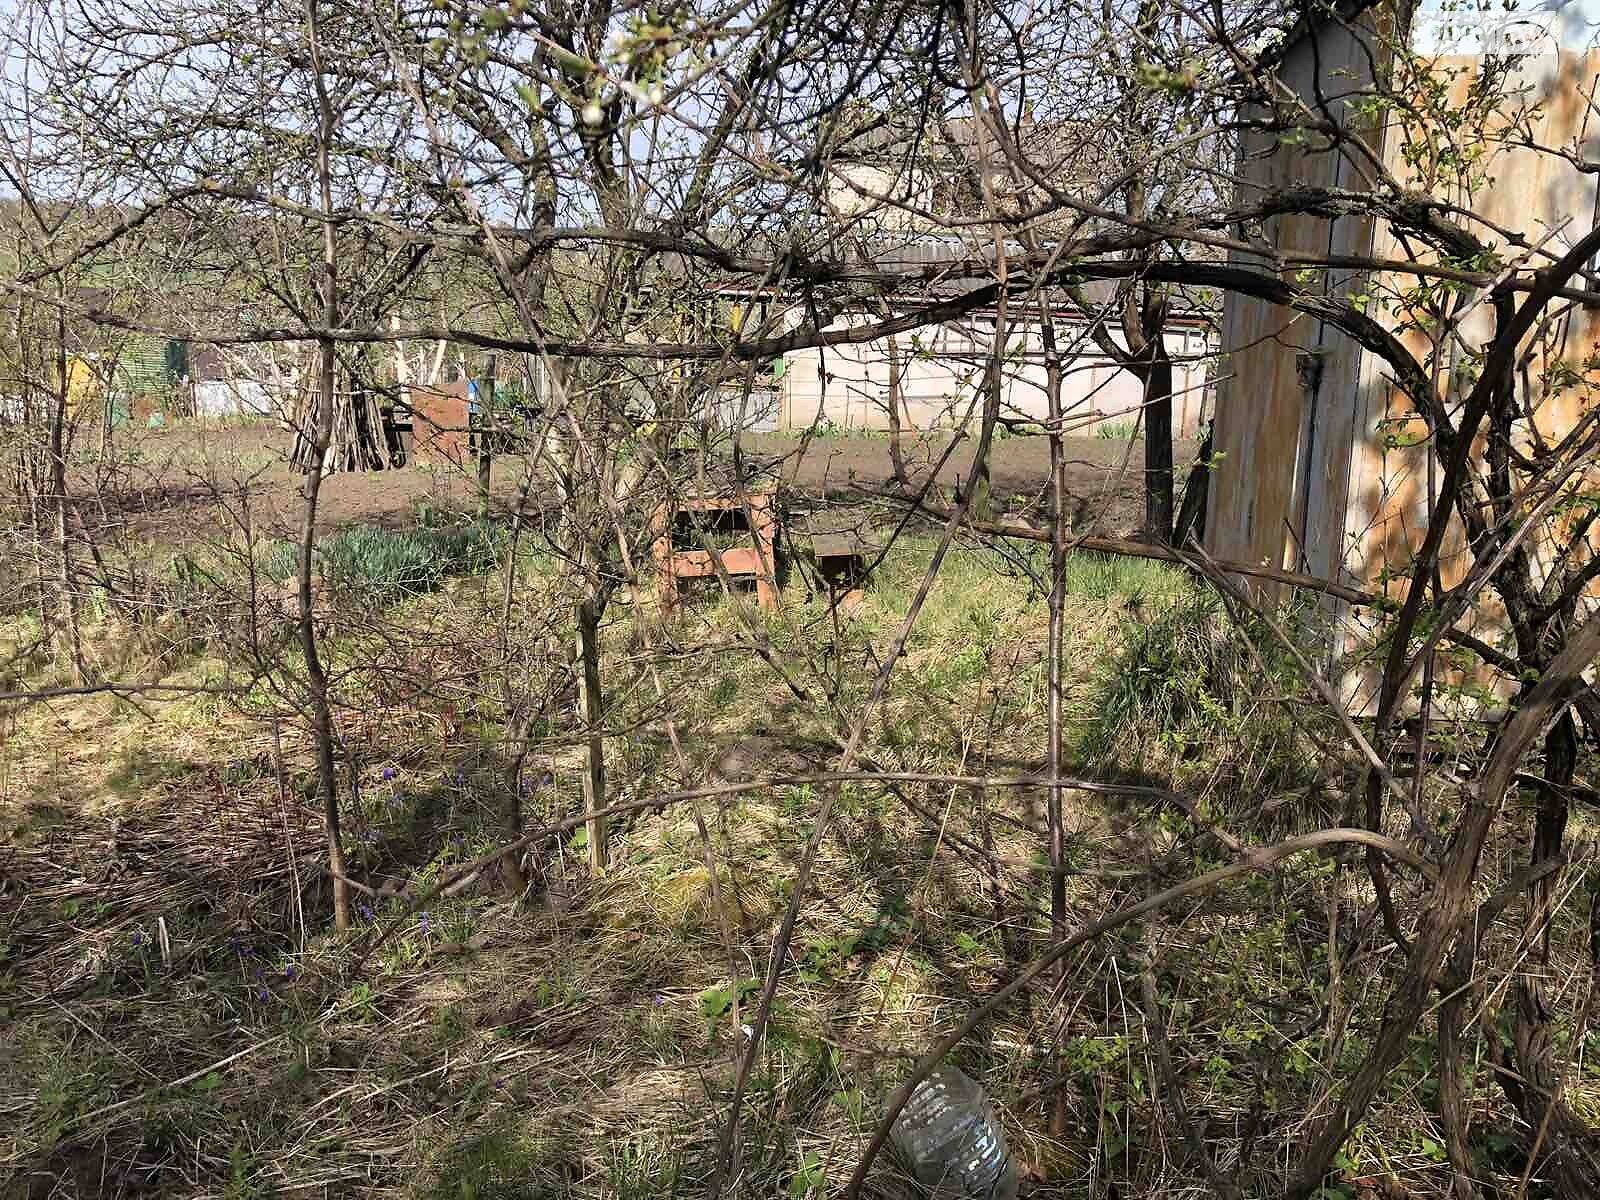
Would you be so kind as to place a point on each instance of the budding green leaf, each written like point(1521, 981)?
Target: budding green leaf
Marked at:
point(573, 64)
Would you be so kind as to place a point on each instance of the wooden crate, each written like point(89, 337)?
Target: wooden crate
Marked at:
point(841, 559)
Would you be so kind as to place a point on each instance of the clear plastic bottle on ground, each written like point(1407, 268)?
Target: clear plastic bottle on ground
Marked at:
point(950, 1137)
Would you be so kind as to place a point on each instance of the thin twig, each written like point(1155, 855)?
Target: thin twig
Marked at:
point(1256, 860)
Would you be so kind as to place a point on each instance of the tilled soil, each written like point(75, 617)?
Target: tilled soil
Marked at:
point(188, 484)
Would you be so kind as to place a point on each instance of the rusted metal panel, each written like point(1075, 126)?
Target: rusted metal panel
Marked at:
point(439, 423)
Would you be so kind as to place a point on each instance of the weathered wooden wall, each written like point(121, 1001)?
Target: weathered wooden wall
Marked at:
point(1285, 419)
point(1325, 466)
point(1539, 195)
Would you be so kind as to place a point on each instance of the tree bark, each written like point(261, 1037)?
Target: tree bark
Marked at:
point(58, 497)
point(1056, 636)
point(897, 458)
point(1550, 820)
point(590, 709)
point(322, 433)
point(485, 424)
point(1191, 522)
point(1565, 1150)
point(1158, 440)
point(1454, 1076)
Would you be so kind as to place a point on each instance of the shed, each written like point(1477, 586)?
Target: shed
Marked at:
point(1322, 467)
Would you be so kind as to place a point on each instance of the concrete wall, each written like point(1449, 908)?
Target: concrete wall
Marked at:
point(232, 398)
point(941, 369)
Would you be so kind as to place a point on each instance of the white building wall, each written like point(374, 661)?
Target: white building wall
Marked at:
point(941, 372)
point(232, 398)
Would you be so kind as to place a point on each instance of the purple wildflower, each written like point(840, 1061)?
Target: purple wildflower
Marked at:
point(364, 911)
point(424, 923)
point(264, 995)
point(289, 972)
point(389, 773)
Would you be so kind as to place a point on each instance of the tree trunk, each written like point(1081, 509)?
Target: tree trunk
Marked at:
point(1158, 443)
point(1550, 820)
point(897, 459)
point(322, 433)
point(58, 497)
point(512, 876)
point(1455, 1069)
point(1565, 1151)
point(590, 709)
point(485, 425)
point(1058, 589)
point(1191, 522)
point(316, 677)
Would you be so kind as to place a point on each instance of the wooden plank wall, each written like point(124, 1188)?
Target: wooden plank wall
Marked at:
point(1283, 423)
point(1536, 194)
point(1328, 470)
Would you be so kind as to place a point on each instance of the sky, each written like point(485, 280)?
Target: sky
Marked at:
point(1505, 26)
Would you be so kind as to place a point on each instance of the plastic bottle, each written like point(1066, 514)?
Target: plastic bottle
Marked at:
point(950, 1137)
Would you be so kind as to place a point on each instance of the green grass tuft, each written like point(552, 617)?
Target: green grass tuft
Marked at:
point(497, 1164)
point(1117, 431)
point(387, 564)
point(1181, 678)
point(1095, 576)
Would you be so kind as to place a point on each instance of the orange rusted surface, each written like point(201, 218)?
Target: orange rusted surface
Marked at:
point(691, 564)
point(439, 423)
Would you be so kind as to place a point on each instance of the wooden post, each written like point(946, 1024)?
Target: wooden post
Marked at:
point(485, 425)
point(763, 525)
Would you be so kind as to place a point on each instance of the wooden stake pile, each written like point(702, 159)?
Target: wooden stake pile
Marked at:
point(361, 440)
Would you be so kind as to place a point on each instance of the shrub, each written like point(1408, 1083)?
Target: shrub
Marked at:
point(1176, 678)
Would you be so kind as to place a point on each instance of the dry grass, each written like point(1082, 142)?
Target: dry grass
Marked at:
point(182, 1019)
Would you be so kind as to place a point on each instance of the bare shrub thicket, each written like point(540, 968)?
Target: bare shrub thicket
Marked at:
point(511, 876)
